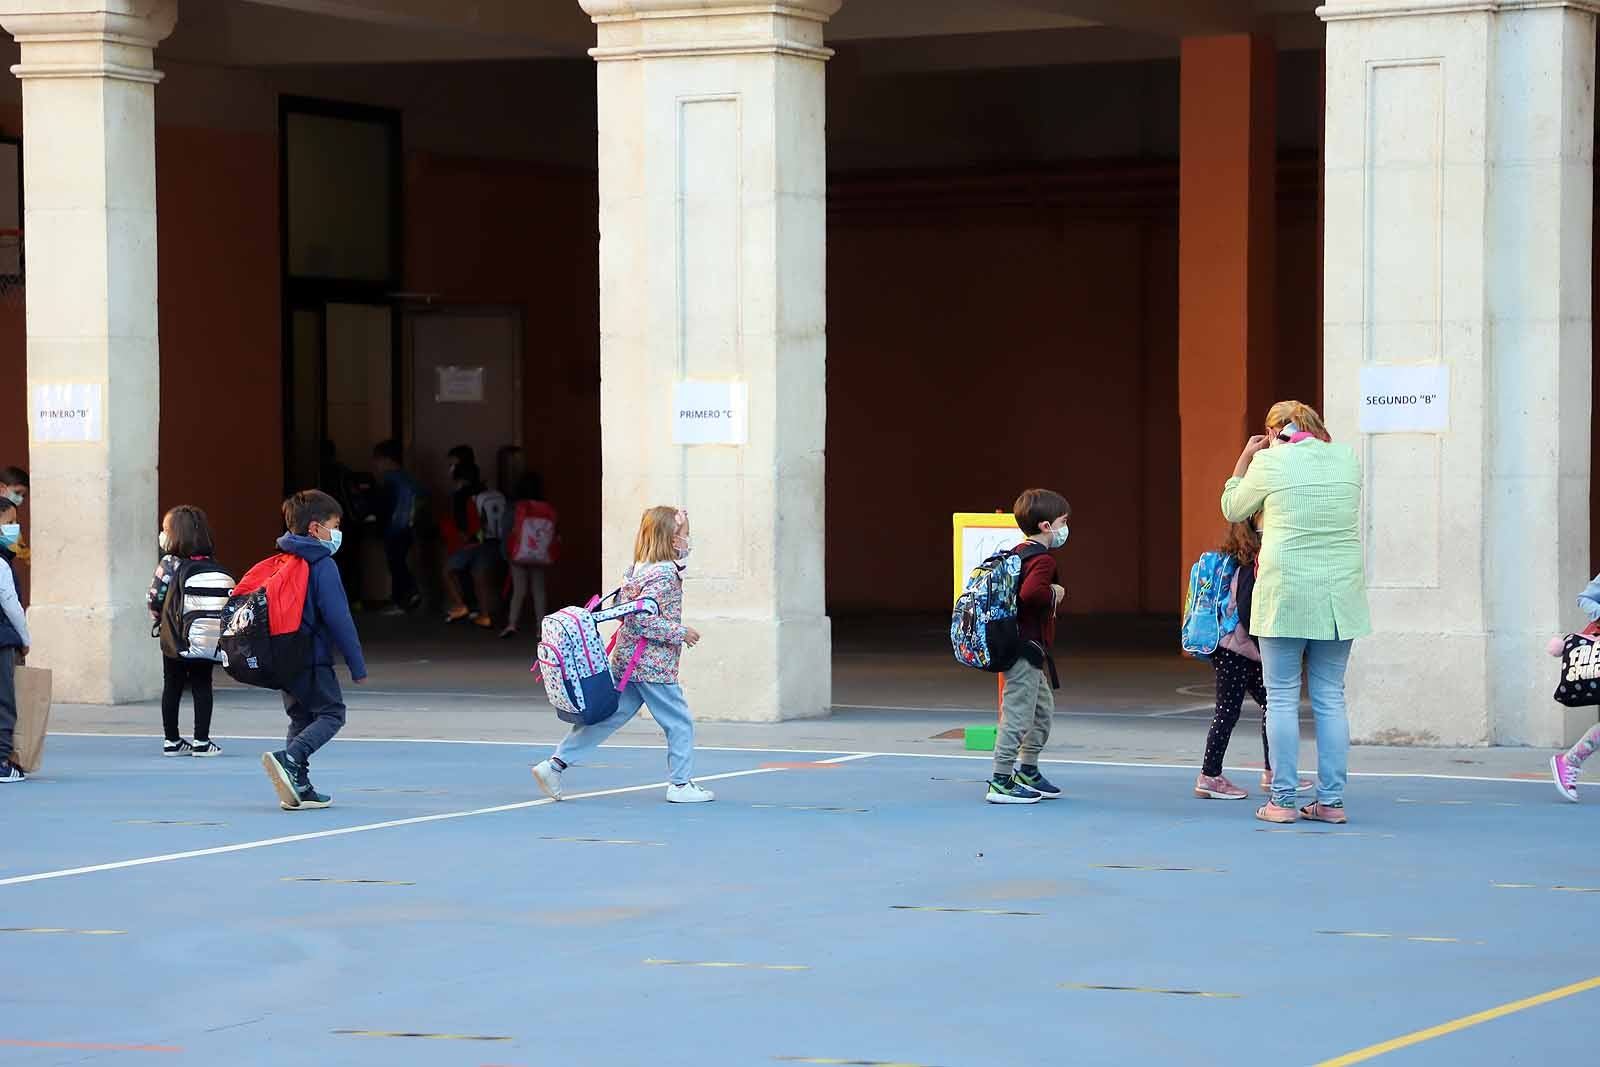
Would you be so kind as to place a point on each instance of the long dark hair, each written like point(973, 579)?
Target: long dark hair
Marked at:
point(1243, 543)
point(191, 532)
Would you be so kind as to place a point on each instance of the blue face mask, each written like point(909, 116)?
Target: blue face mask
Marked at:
point(335, 539)
point(10, 534)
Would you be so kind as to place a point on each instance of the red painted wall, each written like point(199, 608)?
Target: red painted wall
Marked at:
point(13, 348)
point(221, 383)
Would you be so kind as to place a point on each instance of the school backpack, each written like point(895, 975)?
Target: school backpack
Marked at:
point(533, 539)
point(491, 505)
point(574, 663)
point(191, 614)
point(983, 628)
point(1209, 613)
point(262, 643)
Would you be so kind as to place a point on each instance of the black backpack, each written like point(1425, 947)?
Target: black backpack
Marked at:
point(191, 615)
point(250, 651)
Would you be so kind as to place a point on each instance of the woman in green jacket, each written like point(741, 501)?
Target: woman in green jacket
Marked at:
point(1310, 597)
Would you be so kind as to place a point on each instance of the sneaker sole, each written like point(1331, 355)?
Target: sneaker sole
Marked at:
point(690, 800)
point(1001, 798)
point(1044, 795)
point(213, 754)
point(1555, 775)
point(287, 798)
point(306, 805)
point(544, 787)
point(1210, 794)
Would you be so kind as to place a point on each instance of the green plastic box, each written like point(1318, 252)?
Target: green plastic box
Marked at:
point(980, 738)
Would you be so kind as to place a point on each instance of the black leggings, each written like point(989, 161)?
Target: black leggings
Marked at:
point(1236, 676)
point(175, 675)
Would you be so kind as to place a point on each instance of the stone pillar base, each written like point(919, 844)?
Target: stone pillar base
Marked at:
point(759, 670)
point(99, 655)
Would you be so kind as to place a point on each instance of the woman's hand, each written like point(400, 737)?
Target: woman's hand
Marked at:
point(1252, 446)
point(691, 636)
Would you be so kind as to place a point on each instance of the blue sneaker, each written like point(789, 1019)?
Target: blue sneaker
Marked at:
point(1008, 790)
point(1035, 780)
point(10, 772)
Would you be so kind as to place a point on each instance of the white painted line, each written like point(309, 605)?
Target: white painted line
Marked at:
point(814, 749)
point(245, 846)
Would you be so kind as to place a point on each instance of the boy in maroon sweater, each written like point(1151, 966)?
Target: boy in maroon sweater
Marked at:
point(1028, 705)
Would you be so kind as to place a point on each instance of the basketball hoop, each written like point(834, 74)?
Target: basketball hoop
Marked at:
point(11, 273)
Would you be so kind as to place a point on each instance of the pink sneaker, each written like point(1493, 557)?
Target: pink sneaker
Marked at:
point(1270, 812)
point(1565, 775)
point(1305, 785)
point(1207, 787)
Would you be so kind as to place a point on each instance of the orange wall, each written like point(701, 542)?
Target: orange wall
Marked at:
point(482, 231)
point(221, 383)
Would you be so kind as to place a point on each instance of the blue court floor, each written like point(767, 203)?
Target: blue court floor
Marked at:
point(828, 908)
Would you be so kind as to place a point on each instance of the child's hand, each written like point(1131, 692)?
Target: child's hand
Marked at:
point(360, 681)
point(691, 636)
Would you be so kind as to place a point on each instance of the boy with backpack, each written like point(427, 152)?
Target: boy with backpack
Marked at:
point(312, 698)
point(14, 639)
point(1027, 707)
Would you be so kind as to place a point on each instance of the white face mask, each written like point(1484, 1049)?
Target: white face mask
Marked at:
point(10, 534)
point(688, 546)
point(1058, 536)
point(164, 542)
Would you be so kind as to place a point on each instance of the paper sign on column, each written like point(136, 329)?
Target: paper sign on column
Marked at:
point(710, 413)
point(459, 385)
point(1405, 399)
point(67, 412)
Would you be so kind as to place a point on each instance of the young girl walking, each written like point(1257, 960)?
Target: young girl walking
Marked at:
point(659, 553)
point(1566, 766)
point(185, 537)
point(1237, 663)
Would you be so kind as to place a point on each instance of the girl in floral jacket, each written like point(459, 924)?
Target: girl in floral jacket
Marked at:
point(657, 573)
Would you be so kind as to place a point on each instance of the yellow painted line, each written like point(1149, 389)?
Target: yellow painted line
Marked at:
point(1551, 888)
point(961, 911)
point(349, 881)
point(426, 1037)
point(58, 930)
point(1151, 989)
point(1374, 1051)
point(603, 841)
point(1138, 867)
point(1401, 937)
point(739, 966)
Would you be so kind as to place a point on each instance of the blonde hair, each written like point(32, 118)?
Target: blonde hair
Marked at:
point(657, 530)
point(1302, 415)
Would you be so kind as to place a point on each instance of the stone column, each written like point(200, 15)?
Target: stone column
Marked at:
point(1460, 140)
point(712, 236)
point(1227, 240)
point(88, 87)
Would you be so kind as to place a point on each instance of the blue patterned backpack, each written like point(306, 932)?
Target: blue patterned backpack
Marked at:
point(1209, 613)
point(983, 629)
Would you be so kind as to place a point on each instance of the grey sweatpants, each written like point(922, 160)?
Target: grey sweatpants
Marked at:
point(1026, 712)
point(8, 701)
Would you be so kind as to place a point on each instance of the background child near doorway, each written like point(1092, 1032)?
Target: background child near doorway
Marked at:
point(531, 549)
point(659, 553)
point(14, 639)
point(1027, 704)
point(185, 537)
point(314, 703)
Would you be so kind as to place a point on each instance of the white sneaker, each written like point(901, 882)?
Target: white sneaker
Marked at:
point(689, 793)
point(548, 775)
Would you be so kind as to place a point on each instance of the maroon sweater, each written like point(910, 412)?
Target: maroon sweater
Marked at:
point(1036, 616)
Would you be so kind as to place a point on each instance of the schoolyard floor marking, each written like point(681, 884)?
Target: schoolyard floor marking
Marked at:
point(1549, 888)
point(86, 1046)
point(602, 841)
point(417, 820)
point(1152, 989)
point(1361, 1055)
point(1165, 870)
point(1401, 937)
point(344, 881)
point(733, 966)
point(1318, 833)
point(59, 930)
point(168, 822)
point(425, 1037)
point(814, 807)
point(847, 1063)
point(1513, 779)
point(960, 911)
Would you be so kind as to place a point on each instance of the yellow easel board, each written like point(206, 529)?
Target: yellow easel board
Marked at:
point(979, 535)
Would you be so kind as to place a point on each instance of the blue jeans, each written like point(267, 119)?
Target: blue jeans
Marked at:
point(1325, 663)
point(667, 707)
